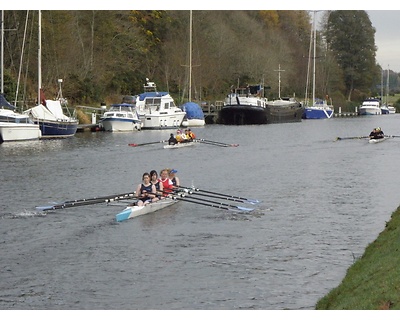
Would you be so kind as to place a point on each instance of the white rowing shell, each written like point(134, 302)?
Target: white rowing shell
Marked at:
point(135, 211)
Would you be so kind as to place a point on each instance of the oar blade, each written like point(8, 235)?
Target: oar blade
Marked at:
point(44, 208)
point(245, 209)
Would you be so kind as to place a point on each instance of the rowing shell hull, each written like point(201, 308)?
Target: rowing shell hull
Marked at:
point(179, 145)
point(378, 140)
point(135, 211)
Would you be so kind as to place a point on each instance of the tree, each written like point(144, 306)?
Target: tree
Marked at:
point(350, 38)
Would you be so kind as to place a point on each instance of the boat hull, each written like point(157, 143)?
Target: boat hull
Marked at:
point(274, 112)
point(242, 115)
point(120, 125)
point(317, 113)
point(19, 132)
point(154, 121)
point(57, 129)
point(179, 145)
point(285, 112)
point(377, 140)
point(135, 211)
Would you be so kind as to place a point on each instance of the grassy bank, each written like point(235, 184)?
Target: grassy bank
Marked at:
point(373, 281)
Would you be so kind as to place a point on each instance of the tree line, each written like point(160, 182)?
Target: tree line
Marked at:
point(103, 55)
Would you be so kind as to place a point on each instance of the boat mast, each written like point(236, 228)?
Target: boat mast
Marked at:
point(315, 40)
point(279, 80)
point(2, 52)
point(190, 55)
point(39, 55)
point(387, 87)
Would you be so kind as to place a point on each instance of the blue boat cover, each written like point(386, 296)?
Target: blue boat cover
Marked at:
point(145, 95)
point(193, 110)
point(5, 104)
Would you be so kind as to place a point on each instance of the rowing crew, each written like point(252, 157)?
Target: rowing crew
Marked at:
point(376, 133)
point(181, 137)
point(154, 188)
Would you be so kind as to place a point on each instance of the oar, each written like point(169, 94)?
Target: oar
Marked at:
point(348, 138)
point(254, 201)
point(221, 206)
point(216, 143)
point(392, 136)
point(180, 196)
point(84, 202)
point(145, 144)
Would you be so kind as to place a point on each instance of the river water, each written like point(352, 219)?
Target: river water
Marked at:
point(323, 202)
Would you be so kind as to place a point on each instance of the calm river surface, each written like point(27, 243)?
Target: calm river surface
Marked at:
point(323, 202)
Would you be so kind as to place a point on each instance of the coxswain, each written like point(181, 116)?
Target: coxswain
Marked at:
point(172, 139)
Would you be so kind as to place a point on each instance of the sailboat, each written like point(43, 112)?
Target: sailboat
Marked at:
point(319, 108)
point(13, 125)
point(49, 114)
point(194, 113)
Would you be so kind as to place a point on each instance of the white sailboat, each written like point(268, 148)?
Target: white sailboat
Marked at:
point(13, 126)
point(319, 108)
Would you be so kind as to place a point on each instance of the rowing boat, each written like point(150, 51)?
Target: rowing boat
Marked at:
point(179, 145)
point(378, 140)
point(135, 211)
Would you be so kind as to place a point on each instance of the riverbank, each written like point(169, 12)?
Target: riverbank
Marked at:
point(373, 281)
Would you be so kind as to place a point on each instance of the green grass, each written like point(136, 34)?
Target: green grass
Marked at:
point(373, 281)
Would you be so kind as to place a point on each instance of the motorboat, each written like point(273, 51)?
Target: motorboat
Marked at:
point(370, 106)
point(157, 110)
point(120, 117)
point(17, 127)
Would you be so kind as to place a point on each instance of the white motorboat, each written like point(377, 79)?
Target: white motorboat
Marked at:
point(121, 117)
point(369, 107)
point(157, 110)
point(17, 127)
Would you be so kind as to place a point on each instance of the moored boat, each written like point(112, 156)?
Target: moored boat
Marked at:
point(318, 108)
point(135, 211)
point(157, 110)
point(244, 105)
point(120, 117)
point(49, 114)
point(15, 126)
point(194, 115)
point(284, 110)
point(370, 106)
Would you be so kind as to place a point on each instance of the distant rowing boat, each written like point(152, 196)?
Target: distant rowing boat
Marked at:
point(135, 211)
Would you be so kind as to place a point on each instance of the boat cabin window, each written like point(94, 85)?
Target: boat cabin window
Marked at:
point(153, 102)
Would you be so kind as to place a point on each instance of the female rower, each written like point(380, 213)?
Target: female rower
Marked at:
point(145, 191)
point(166, 182)
point(158, 185)
point(174, 178)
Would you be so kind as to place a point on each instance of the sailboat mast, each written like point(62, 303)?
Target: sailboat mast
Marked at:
point(387, 87)
point(315, 40)
point(2, 52)
point(190, 54)
point(39, 55)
